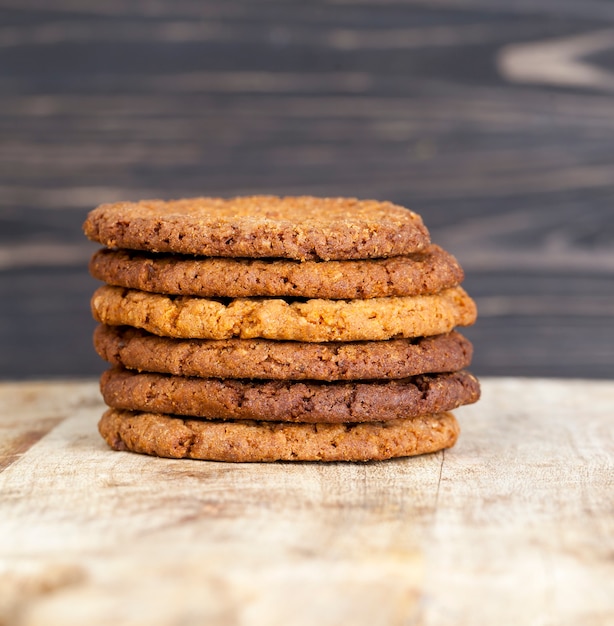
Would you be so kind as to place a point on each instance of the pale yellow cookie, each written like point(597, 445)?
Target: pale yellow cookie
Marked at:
point(311, 320)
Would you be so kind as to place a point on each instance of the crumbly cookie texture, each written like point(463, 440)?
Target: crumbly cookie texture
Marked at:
point(162, 435)
point(136, 349)
point(421, 273)
point(313, 320)
point(285, 401)
point(261, 226)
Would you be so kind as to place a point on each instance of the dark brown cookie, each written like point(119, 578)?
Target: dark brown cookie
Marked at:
point(266, 359)
point(261, 226)
point(421, 273)
point(282, 401)
point(248, 441)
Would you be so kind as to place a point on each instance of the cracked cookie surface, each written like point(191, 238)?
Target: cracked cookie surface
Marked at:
point(287, 401)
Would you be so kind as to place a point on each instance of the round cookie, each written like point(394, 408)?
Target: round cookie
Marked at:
point(421, 273)
point(133, 348)
point(284, 401)
point(166, 436)
point(312, 320)
point(261, 226)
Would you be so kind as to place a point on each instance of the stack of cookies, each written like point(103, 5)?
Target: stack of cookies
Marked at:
point(265, 329)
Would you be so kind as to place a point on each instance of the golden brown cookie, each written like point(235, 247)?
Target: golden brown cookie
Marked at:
point(287, 401)
point(261, 226)
point(420, 273)
point(136, 349)
point(311, 320)
point(166, 436)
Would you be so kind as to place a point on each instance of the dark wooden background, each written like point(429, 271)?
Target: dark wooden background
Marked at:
point(492, 118)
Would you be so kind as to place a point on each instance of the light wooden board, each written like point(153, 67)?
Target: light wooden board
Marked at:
point(515, 525)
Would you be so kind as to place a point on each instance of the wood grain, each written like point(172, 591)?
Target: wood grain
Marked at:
point(493, 119)
point(514, 525)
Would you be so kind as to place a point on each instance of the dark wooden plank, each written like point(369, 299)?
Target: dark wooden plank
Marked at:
point(435, 107)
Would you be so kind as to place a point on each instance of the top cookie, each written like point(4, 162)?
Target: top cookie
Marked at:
point(303, 228)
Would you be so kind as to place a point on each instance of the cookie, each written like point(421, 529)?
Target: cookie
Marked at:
point(287, 401)
point(421, 273)
point(261, 226)
point(312, 320)
point(265, 359)
point(249, 441)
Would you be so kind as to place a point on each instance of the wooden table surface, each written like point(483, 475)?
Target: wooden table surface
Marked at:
point(492, 118)
point(514, 525)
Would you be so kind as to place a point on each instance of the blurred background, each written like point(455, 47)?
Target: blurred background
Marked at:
point(494, 119)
